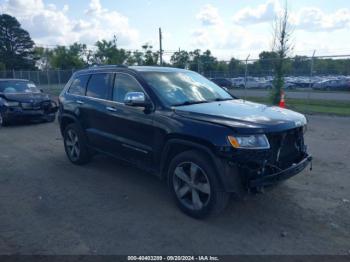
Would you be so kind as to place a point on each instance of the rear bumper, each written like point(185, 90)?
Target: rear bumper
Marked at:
point(272, 179)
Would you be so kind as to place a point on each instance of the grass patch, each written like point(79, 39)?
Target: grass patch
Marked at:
point(328, 107)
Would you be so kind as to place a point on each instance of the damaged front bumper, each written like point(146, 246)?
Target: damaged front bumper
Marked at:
point(25, 111)
point(271, 179)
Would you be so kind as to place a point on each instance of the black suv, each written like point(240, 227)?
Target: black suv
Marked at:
point(184, 128)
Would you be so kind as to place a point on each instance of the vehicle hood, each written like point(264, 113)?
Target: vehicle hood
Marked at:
point(244, 116)
point(26, 97)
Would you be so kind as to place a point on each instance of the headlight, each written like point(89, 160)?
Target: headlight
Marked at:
point(249, 142)
point(8, 103)
point(11, 104)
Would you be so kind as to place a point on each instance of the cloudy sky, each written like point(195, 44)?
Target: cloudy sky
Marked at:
point(227, 27)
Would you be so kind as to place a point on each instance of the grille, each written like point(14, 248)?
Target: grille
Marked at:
point(31, 106)
point(286, 147)
point(27, 105)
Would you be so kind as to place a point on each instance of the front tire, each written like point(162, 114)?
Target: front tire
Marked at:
point(3, 121)
point(193, 183)
point(75, 145)
point(50, 118)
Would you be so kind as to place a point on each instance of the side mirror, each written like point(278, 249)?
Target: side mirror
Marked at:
point(137, 99)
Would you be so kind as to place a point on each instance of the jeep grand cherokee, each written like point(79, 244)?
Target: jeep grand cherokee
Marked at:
point(184, 128)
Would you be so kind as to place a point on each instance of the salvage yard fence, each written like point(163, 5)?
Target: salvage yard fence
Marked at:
point(301, 72)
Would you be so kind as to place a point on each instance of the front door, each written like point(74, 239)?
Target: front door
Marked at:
point(131, 128)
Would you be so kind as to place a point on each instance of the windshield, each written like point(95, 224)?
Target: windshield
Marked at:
point(181, 88)
point(13, 87)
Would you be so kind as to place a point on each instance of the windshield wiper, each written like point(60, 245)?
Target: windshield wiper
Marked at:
point(221, 99)
point(186, 103)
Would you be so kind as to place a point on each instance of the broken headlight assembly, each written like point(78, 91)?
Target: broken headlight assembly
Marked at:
point(258, 141)
point(9, 103)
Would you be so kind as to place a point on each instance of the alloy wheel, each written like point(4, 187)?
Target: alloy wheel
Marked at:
point(191, 185)
point(72, 145)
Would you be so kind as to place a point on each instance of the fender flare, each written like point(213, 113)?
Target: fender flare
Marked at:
point(66, 115)
point(219, 167)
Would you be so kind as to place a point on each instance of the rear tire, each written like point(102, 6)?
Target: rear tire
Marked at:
point(75, 144)
point(193, 182)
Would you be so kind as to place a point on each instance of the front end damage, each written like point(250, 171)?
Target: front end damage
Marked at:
point(286, 157)
point(31, 110)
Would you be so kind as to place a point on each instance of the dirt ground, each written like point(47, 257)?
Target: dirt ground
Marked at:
point(49, 206)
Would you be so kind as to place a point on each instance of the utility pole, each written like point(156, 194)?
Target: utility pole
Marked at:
point(160, 47)
point(115, 41)
point(245, 77)
point(311, 73)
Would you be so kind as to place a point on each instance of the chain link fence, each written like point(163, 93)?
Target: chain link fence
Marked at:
point(312, 84)
point(51, 81)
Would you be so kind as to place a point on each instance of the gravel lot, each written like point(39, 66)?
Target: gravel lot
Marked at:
point(49, 206)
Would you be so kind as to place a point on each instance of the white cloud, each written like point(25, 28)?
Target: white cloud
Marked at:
point(49, 25)
point(259, 14)
point(209, 15)
point(306, 18)
point(314, 19)
point(215, 34)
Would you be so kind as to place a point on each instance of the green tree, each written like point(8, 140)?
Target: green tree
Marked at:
point(16, 46)
point(108, 53)
point(195, 61)
point(267, 62)
point(68, 57)
point(236, 67)
point(180, 59)
point(300, 65)
point(208, 62)
point(135, 58)
point(282, 46)
point(149, 57)
point(42, 56)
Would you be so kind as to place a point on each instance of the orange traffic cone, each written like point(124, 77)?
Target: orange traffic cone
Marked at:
point(282, 102)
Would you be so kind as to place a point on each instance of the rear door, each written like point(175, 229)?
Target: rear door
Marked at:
point(98, 92)
point(75, 97)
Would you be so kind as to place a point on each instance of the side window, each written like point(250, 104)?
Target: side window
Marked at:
point(99, 85)
point(78, 85)
point(123, 84)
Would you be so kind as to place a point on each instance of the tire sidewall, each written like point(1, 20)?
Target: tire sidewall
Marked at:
point(205, 164)
point(84, 155)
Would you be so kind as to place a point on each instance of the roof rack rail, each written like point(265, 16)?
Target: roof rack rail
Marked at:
point(107, 66)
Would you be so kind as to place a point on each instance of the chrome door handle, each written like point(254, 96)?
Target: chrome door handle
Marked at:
point(111, 109)
point(80, 102)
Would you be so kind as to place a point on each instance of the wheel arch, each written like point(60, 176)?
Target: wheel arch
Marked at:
point(65, 120)
point(177, 145)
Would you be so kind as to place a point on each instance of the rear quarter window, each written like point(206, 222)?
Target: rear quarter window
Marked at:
point(78, 85)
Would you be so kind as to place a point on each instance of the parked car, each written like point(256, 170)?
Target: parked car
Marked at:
point(183, 128)
point(22, 100)
point(222, 82)
point(333, 85)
